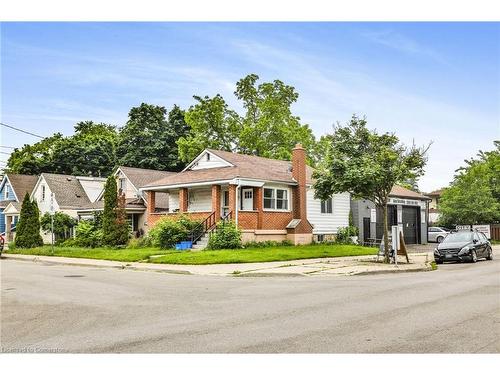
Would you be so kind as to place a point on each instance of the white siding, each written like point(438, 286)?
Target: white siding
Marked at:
point(43, 205)
point(173, 200)
point(328, 223)
point(130, 191)
point(200, 200)
point(214, 162)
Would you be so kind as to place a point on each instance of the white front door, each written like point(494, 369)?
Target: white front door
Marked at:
point(247, 199)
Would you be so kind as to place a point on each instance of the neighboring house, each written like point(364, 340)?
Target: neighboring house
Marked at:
point(65, 193)
point(13, 188)
point(406, 208)
point(268, 199)
point(129, 181)
point(435, 196)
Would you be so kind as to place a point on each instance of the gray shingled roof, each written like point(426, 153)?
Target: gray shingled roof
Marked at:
point(68, 192)
point(141, 177)
point(22, 184)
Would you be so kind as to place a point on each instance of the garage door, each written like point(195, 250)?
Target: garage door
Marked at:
point(410, 224)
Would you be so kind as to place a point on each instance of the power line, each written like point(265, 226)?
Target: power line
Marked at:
point(5, 153)
point(8, 147)
point(21, 130)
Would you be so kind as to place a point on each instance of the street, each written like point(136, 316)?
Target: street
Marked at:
point(54, 308)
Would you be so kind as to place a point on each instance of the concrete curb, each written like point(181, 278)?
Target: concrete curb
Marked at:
point(134, 266)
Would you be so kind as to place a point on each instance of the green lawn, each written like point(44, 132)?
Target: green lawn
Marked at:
point(203, 257)
point(124, 255)
point(267, 254)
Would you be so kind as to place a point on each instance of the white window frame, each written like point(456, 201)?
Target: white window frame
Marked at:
point(6, 193)
point(325, 202)
point(275, 199)
point(122, 181)
point(43, 193)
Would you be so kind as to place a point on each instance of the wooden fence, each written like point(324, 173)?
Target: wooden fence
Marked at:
point(495, 231)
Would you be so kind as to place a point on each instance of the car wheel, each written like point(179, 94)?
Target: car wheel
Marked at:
point(490, 254)
point(440, 239)
point(439, 261)
point(473, 256)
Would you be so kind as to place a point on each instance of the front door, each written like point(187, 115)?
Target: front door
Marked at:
point(247, 199)
point(366, 229)
point(410, 221)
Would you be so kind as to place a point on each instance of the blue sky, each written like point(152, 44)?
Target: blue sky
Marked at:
point(427, 82)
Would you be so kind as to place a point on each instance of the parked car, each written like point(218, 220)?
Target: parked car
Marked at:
point(463, 246)
point(436, 234)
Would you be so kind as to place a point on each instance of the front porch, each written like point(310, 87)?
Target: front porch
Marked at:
point(261, 212)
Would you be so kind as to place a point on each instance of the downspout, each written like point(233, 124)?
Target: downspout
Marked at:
point(236, 203)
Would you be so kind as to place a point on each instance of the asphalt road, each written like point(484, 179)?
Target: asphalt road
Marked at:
point(52, 308)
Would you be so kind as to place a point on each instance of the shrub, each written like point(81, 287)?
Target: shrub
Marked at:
point(28, 228)
point(225, 236)
point(262, 244)
point(167, 232)
point(87, 234)
point(136, 243)
point(63, 224)
point(344, 234)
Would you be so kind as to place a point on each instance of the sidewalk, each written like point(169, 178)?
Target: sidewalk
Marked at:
point(341, 266)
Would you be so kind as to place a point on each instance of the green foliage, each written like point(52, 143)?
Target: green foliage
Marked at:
point(109, 227)
point(366, 164)
point(28, 227)
point(474, 195)
point(62, 225)
point(344, 234)
point(167, 232)
point(148, 140)
point(226, 236)
point(213, 125)
point(267, 128)
point(88, 234)
point(122, 228)
point(264, 244)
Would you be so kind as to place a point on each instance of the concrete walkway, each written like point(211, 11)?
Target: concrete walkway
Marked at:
point(340, 266)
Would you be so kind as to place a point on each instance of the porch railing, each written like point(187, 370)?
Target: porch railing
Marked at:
point(205, 226)
point(227, 217)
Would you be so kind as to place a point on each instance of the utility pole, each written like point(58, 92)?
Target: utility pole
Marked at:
point(52, 218)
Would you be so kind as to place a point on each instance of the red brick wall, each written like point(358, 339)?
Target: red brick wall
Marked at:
point(183, 199)
point(276, 220)
point(299, 193)
point(216, 201)
point(247, 220)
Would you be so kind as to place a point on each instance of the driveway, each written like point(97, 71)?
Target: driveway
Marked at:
point(55, 308)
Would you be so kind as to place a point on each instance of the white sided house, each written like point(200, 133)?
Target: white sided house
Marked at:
point(65, 193)
point(268, 199)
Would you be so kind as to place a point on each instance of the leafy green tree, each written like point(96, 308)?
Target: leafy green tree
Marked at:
point(90, 151)
point(28, 227)
point(109, 225)
point(34, 159)
point(122, 227)
point(367, 165)
point(212, 125)
point(148, 140)
point(269, 127)
point(474, 195)
point(63, 224)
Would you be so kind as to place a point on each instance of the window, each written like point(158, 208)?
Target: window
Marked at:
point(43, 192)
point(275, 199)
point(225, 199)
point(6, 187)
point(327, 206)
point(433, 229)
point(208, 156)
point(122, 184)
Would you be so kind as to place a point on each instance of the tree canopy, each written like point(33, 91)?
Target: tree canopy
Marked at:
point(28, 227)
point(267, 128)
point(474, 195)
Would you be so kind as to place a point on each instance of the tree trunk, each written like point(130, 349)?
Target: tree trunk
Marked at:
point(386, 236)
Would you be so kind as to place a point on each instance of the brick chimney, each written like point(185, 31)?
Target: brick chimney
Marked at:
point(299, 174)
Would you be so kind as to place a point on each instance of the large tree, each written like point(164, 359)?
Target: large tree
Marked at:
point(367, 165)
point(148, 140)
point(212, 125)
point(474, 195)
point(28, 227)
point(267, 127)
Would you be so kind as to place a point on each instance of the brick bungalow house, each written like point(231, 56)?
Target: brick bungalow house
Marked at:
point(268, 199)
